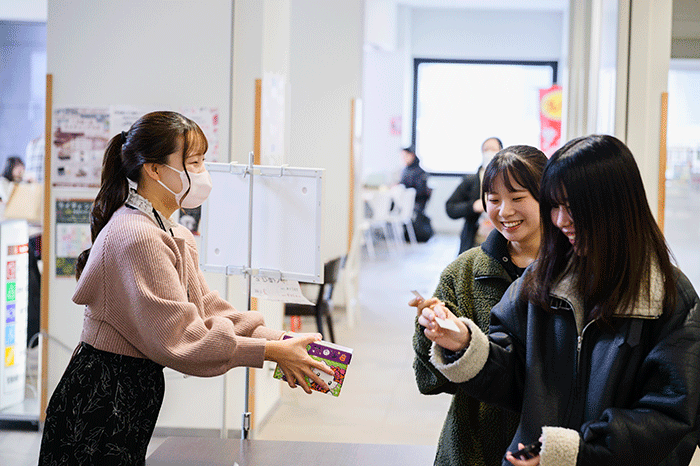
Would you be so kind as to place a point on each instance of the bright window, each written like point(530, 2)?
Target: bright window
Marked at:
point(458, 104)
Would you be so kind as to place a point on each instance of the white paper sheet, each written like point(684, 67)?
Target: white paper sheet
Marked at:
point(274, 289)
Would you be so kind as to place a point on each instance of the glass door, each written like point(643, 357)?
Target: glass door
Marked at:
point(682, 210)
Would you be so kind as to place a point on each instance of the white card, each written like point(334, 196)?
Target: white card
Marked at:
point(447, 324)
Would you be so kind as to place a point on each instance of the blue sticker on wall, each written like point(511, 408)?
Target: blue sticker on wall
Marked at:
point(10, 313)
point(10, 335)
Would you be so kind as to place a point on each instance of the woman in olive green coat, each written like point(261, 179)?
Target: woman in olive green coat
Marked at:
point(474, 433)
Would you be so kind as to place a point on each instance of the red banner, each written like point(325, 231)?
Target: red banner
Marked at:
point(550, 119)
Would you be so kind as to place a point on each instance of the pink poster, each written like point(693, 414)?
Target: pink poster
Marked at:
point(550, 119)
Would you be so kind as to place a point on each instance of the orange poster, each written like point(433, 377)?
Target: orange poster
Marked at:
point(550, 119)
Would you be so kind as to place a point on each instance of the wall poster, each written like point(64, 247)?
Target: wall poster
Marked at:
point(550, 119)
point(72, 233)
point(80, 137)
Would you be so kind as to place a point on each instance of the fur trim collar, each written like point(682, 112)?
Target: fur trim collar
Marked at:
point(649, 303)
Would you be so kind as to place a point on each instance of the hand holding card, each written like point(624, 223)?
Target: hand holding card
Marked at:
point(436, 318)
point(445, 323)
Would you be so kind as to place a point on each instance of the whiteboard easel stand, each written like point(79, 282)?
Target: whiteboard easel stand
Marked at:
point(224, 260)
point(245, 423)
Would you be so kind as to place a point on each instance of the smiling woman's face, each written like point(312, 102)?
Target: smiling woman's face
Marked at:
point(516, 214)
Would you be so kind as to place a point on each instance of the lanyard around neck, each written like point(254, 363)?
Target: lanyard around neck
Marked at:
point(160, 222)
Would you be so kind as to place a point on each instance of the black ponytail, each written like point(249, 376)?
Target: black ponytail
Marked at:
point(113, 193)
point(151, 139)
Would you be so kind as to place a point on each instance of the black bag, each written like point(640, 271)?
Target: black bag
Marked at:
point(422, 227)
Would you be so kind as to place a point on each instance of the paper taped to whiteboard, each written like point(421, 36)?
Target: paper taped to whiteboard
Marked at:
point(275, 289)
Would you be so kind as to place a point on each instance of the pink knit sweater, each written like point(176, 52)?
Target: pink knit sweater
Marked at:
point(145, 296)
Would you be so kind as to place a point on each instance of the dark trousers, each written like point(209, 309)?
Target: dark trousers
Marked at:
point(34, 289)
point(103, 411)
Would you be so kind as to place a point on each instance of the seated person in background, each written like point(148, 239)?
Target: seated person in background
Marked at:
point(465, 201)
point(413, 176)
point(12, 173)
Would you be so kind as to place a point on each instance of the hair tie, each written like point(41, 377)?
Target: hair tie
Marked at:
point(124, 133)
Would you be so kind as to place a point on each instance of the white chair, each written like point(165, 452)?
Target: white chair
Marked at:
point(396, 214)
point(379, 203)
point(404, 213)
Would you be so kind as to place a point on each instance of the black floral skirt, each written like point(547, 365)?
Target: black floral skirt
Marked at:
point(103, 411)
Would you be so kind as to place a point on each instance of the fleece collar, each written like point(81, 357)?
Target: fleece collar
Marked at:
point(649, 303)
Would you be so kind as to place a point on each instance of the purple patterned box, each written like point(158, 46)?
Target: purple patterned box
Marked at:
point(336, 356)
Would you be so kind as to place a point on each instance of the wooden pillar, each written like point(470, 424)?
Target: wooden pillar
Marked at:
point(45, 249)
point(663, 123)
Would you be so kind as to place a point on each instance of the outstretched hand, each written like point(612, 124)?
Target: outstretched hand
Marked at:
point(448, 339)
point(294, 361)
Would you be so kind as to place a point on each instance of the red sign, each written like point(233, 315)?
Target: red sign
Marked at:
point(11, 270)
point(18, 249)
point(550, 119)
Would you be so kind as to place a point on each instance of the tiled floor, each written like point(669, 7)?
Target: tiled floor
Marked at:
point(379, 402)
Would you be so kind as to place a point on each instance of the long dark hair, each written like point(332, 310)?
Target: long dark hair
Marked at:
point(617, 238)
point(10, 165)
point(151, 139)
point(521, 164)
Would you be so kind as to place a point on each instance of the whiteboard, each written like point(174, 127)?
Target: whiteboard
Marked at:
point(286, 222)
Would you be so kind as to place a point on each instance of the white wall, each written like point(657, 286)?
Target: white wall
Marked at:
point(325, 73)
point(383, 94)
point(441, 33)
point(381, 24)
point(247, 67)
point(23, 10)
point(139, 52)
point(486, 34)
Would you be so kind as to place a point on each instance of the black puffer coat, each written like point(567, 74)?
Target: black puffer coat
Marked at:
point(625, 397)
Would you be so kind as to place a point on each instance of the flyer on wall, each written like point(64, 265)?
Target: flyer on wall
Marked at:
point(80, 136)
point(72, 233)
point(79, 139)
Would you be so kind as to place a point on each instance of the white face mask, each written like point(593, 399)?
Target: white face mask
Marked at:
point(199, 190)
point(486, 157)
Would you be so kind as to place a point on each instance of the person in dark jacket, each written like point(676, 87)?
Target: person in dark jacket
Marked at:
point(597, 345)
point(413, 176)
point(465, 201)
point(475, 433)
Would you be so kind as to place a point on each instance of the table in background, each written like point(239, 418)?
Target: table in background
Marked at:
point(224, 452)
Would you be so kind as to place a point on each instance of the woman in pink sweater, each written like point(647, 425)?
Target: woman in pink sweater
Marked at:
point(147, 304)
